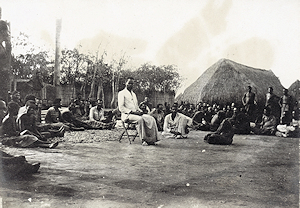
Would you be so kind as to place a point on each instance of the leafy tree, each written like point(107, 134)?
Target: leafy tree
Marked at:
point(151, 78)
point(74, 68)
point(28, 59)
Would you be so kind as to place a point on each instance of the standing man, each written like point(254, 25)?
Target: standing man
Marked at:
point(36, 84)
point(272, 103)
point(249, 103)
point(130, 111)
point(287, 105)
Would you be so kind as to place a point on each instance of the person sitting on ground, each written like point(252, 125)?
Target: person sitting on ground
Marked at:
point(54, 118)
point(75, 108)
point(16, 166)
point(159, 115)
point(144, 108)
point(217, 120)
point(240, 121)
point(223, 135)
point(68, 118)
point(268, 124)
point(97, 118)
point(199, 122)
point(229, 111)
point(147, 104)
point(27, 121)
point(291, 130)
point(167, 108)
point(16, 97)
point(30, 100)
point(176, 124)
point(13, 137)
point(208, 114)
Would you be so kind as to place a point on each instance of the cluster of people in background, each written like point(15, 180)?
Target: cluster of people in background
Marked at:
point(22, 126)
point(279, 116)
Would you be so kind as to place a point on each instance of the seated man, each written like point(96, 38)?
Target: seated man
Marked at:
point(240, 121)
point(75, 108)
point(176, 124)
point(27, 121)
point(54, 118)
point(291, 130)
point(29, 102)
point(159, 115)
point(16, 167)
point(16, 97)
point(12, 166)
point(223, 135)
point(147, 105)
point(217, 120)
point(97, 118)
point(144, 108)
point(199, 122)
point(12, 137)
point(130, 111)
point(268, 124)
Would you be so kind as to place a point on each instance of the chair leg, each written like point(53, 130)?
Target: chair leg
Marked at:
point(121, 136)
point(128, 136)
point(135, 135)
point(125, 130)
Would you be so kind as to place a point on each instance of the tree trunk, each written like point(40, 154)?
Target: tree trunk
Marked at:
point(100, 93)
point(112, 103)
point(117, 89)
point(56, 78)
point(92, 92)
point(82, 90)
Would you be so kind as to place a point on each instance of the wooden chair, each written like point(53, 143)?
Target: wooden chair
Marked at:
point(129, 130)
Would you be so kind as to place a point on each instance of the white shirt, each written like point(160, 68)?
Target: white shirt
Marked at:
point(95, 114)
point(127, 102)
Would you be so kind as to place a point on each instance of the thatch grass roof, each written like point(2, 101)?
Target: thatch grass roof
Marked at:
point(294, 89)
point(226, 81)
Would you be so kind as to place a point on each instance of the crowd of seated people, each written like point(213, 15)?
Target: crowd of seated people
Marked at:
point(279, 116)
point(19, 126)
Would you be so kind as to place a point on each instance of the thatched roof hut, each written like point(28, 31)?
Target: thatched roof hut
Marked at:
point(226, 81)
point(294, 90)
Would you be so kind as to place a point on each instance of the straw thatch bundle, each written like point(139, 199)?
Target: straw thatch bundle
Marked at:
point(226, 81)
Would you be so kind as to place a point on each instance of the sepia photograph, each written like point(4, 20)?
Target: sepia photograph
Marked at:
point(149, 104)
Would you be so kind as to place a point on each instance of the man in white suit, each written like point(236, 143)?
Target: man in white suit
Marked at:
point(130, 111)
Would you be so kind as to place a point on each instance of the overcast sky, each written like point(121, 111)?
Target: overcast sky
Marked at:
point(191, 34)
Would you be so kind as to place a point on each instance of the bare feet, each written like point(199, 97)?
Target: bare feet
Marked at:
point(53, 145)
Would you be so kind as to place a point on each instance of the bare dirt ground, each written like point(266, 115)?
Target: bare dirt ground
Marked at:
point(92, 169)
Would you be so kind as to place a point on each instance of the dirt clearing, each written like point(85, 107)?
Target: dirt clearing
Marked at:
point(88, 171)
